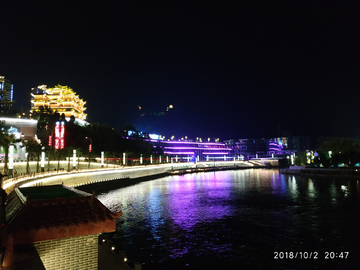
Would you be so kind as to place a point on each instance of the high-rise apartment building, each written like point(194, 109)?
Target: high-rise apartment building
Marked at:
point(61, 99)
point(6, 95)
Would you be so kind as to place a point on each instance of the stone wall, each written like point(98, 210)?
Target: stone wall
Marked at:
point(79, 252)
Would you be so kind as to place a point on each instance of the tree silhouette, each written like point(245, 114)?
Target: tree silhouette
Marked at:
point(31, 148)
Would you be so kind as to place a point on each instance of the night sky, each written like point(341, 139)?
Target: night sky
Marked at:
point(231, 69)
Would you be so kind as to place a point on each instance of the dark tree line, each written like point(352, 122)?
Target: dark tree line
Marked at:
point(102, 137)
point(331, 153)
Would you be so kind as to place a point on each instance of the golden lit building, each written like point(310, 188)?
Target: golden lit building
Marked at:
point(61, 99)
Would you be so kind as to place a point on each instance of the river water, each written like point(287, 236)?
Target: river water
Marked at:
point(244, 219)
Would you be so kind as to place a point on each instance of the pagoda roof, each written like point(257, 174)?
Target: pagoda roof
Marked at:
point(53, 212)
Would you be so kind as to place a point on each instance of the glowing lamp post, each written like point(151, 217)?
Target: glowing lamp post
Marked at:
point(90, 148)
point(11, 159)
point(42, 159)
point(74, 159)
point(102, 159)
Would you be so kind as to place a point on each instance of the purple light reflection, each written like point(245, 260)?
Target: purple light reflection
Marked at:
point(189, 208)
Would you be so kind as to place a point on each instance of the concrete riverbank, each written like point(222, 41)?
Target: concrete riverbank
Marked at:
point(124, 175)
point(342, 172)
point(101, 186)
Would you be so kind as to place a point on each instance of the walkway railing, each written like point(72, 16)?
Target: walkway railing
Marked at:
point(9, 181)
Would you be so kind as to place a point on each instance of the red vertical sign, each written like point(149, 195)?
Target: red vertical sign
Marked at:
point(57, 135)
point(62, 135)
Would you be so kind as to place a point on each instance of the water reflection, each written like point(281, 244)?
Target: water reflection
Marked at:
point(223, 219)
point(194, 198)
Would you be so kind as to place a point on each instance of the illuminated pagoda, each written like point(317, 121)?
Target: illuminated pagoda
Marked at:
point(59, 98)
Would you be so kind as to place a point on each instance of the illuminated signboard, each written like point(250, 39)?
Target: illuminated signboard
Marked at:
point(59, 135)
point(62, 136)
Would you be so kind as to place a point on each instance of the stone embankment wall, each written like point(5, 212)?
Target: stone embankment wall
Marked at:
point(118, 183)
point(321, 171)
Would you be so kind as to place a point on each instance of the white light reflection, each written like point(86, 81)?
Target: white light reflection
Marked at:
point(155, 212)
point(311, 189)
point(333, 192)
point(345, 190)
point(293, 188)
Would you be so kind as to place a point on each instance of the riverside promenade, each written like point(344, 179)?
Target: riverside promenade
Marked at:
point(97, 177)
point(96, 173)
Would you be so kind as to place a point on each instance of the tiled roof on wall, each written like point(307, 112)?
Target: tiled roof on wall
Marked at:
point(42, 219)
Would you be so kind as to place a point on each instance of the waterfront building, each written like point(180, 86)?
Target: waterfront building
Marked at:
point(24, 129)
point(61, 99)
point(7, 95)
point(289, 145)
point(249, 147)
point(199, 151)
point(279, 146)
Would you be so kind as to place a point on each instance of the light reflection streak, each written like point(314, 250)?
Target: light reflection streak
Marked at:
point(293, 187)
point(311, 189)
point(155, 211)
point(333, 192)
point(194, 206)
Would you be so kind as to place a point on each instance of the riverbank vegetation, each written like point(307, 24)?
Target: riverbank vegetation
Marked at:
point(79, 137)
point(332, 154)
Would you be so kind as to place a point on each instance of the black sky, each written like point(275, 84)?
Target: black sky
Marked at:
point(232, 69)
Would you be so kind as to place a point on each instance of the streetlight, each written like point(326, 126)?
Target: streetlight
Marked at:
point(90, 146)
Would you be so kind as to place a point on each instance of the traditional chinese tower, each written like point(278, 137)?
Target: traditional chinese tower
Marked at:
point(59, 98)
